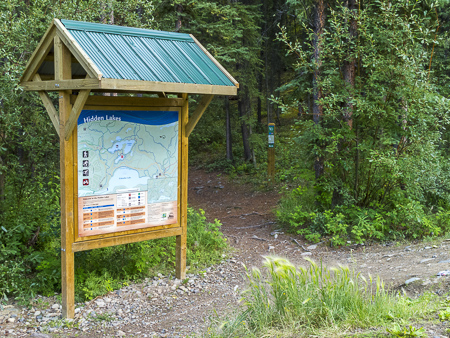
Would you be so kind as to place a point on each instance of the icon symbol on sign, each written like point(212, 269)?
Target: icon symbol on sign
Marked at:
point(85, 172)
point(85, 163)
point(85, 154)
point(86, 181)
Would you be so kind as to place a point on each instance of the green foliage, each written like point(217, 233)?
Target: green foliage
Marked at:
point(317, 301)
point(408, 219)
point(444, 315)
point(407, 332)
point(386, 176)
point(95, 275)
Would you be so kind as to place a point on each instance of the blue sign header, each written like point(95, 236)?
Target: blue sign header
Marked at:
point(155, 118)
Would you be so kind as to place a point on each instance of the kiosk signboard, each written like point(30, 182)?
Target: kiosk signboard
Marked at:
point(127, 170)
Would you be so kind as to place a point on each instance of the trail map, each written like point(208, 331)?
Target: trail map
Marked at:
point(127, 170)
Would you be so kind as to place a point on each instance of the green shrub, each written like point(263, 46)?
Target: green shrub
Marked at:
point(407, 218)
point(39, 271)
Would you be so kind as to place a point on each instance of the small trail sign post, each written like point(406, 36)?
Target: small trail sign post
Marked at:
point(271, 152)
point(124, 158)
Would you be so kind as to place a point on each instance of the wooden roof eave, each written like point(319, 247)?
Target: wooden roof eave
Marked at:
point(128, 85)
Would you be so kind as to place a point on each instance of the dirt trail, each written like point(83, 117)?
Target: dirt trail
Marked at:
point(248, 222)
point(153, 309)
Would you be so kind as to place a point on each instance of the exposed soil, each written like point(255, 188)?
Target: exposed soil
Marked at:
point(249, 224)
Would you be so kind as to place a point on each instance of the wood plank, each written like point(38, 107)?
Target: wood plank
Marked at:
point(127, 232)
point(128, 86)
point(203, 104)
point(48, 104)
point(51, 58)
point(88, 107)
point(63, 71)
point(95, 100)
point(57, 85)
point(77, 51)
point(39, 54)
point(181, 240)
point(166, 87)
point(51, 77)
point(122, 91)
point(228, 75)
point(75, 113)
point(131, 238)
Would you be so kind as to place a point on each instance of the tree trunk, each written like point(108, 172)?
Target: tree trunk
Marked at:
point(266, 75)
point(259, 108)
point(2, 181)
point(350, 65)
point(242, 106)
point(319, 25)
point(228, 130)
point(178, 24)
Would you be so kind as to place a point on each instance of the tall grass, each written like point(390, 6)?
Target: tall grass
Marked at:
point(302, 301)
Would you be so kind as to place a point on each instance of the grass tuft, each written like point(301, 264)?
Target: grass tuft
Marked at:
point(287, 301)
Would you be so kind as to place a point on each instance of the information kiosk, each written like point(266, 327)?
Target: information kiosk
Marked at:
point(123, 124)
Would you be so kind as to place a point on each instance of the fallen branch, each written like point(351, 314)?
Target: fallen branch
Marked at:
point(296, 242)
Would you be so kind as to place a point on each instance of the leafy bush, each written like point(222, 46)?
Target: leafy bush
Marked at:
point(27, 229)
point(40, 270)
point(408, 219)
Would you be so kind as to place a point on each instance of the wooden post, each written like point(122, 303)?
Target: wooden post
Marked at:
point(63, 72)
point(271, 152)
point(181, 239)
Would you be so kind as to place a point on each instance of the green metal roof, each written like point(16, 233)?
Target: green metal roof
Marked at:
point(148, 55)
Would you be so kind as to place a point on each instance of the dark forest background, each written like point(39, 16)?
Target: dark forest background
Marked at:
point(358, 91)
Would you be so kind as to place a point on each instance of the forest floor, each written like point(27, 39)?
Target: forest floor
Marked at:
point(161, 307)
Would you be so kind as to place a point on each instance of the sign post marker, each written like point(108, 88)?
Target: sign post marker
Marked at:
point(271, 152)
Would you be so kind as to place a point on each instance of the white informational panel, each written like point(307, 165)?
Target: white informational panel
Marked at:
point(127, 170)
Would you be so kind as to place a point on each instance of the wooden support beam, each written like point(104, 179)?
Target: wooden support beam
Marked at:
point(203, 104)
point(48, 104)
point(77, 51)
point(126, 239)
point(39, 54)
point(114, 101)
point(57, 85)
point(51, 77)
point(51, 57)
point(68, 186)
point(75, 113)
point(122, 91)
point(180, 249)
point(166, 87)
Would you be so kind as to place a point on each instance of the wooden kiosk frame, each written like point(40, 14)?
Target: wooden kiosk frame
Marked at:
point(60, 48)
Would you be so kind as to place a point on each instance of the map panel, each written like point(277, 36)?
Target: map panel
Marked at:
point(127, 170)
